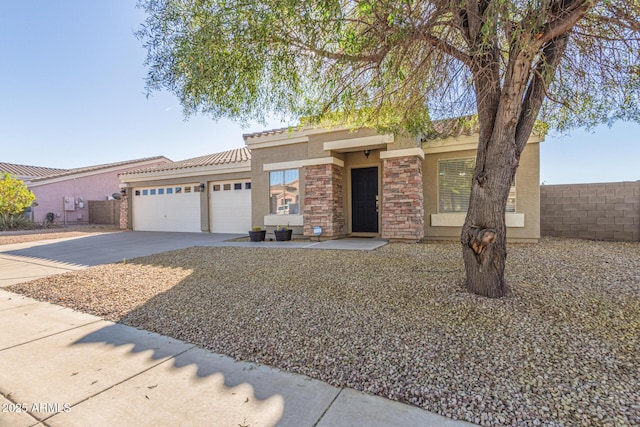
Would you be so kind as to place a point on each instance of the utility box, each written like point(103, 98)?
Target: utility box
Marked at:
point(69, 204)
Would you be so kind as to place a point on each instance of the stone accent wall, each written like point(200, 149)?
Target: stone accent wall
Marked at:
point(323, 200)
point(609, 211)
point(124, 213)
point(402, 199)
point(104, 212)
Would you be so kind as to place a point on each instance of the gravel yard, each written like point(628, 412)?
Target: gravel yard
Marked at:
point(562, 349)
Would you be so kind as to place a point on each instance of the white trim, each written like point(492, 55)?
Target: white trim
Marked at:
point(293, 164)
point(514, 220)
point(72, 176)
point(407, 152)
point(353, 144)
point(462, 143)
point(297, 164)
point(288, 220)
point(276, 140)
point(323, 161)
point(186, 173)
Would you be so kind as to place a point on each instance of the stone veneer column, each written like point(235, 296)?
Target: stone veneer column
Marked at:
point(323, 201)
point(402, 198)
point(124, 212)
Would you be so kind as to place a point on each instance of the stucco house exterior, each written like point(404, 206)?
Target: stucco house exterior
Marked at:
point(347, 182)
point(361, 183)
point(66, 193)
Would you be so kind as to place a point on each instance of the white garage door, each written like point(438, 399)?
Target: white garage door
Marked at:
point(167, 208)
point(230, 206)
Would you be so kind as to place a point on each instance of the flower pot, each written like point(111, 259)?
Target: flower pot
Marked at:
point(283, 235)
point(257, 236)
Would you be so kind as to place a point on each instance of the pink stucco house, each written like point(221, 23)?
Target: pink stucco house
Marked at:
point(66, 193)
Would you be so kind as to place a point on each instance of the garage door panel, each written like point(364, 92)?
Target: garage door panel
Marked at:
point(166, 209)
point(230, 206)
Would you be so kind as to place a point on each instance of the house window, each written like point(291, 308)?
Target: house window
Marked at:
point(284, 192)
point(454, 186)
point(160, 190)
point(187, 189)
point(237, 186)
point(216, 187)
point(137, 192)
point(170, 190)
point(226, 187)
point(145, 192)
point(152, 192)
point(178, 190)
point(247, 186)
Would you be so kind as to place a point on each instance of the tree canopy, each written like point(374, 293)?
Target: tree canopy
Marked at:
point(395, 62)
point(15, 197)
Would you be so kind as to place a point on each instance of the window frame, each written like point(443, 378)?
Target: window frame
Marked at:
point(513, 189)
point(293, 198)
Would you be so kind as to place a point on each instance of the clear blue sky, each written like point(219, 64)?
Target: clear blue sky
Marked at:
point(72, 94)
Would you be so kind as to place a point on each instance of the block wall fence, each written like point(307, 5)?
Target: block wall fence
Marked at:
point(606, 211)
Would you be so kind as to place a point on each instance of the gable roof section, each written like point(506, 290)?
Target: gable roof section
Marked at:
point(236, 160)
point(25, 171)
point(90, 170)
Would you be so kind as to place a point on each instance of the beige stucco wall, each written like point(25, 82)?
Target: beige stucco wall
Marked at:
point(260, 178)
point(527, 178)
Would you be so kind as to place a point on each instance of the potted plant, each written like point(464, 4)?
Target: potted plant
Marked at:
point(283, 233)
point(257, 234)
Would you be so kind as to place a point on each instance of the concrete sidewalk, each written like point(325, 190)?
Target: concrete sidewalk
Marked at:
point(59, 367)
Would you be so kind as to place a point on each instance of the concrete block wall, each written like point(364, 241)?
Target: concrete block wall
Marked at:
point(104, 212)
point(606, 211)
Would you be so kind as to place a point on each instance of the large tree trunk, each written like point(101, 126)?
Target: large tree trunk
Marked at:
point(484, 234)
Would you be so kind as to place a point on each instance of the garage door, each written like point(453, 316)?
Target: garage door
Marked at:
point(230, 206)
point(175, 208)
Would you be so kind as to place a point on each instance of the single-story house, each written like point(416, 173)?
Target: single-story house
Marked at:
point(361, 183)
point(26, 173)
point(66, 192)
point(347, 182)
point(208, 193)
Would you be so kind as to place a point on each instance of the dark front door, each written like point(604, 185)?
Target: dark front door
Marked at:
point(364, 191)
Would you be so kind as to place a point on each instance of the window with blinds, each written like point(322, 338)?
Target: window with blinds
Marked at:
point(454, 186)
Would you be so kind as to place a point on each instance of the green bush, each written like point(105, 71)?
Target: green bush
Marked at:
point(15, 222)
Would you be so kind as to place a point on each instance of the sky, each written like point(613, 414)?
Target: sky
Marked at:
point(72, 94)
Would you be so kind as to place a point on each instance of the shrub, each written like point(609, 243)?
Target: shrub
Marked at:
point(15, 222)
point(15, 197)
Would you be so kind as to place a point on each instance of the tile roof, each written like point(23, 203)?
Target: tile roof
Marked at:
point(69, 172)
point(266, 133)
point(444, 128)
point(28, 171)
point(237, 155)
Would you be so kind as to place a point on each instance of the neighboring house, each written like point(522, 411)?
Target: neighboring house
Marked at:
point(66, 193)
point(209, 193)
point(27, 173)
point(348, 182)
point(361, 183)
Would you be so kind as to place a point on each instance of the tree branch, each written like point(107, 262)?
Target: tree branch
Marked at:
point(543, 74)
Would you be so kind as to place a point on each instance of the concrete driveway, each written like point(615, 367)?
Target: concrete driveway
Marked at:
point(28, 261)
